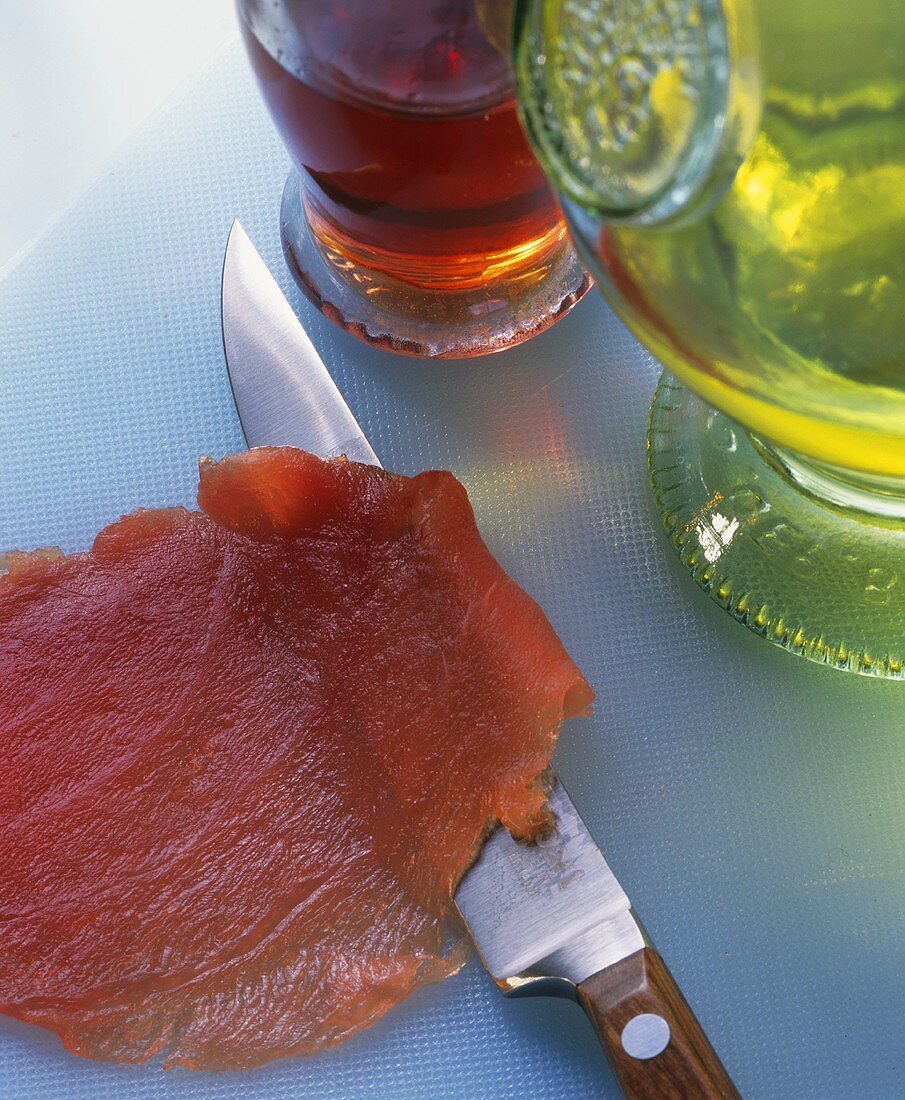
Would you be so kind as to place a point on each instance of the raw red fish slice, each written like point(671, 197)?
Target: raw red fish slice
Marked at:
point(248, 753)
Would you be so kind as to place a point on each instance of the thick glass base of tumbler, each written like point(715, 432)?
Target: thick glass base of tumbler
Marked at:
point(820, 575)
point(501, 312)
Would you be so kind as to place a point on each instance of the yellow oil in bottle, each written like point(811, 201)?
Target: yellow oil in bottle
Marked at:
point(784, 303)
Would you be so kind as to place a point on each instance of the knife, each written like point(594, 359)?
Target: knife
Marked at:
point(548, 918)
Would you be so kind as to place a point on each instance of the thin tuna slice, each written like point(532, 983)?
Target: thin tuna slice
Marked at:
point(248, 752)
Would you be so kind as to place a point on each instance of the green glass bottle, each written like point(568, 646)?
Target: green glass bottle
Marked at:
point(735, 175)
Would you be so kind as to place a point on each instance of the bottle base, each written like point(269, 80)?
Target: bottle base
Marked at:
point(423, 321)
point(820, 574)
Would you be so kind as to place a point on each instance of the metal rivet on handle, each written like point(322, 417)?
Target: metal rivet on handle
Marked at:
point(645, 1035)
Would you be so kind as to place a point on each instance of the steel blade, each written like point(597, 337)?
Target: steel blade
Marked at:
point(547, 912)
point(282, 389)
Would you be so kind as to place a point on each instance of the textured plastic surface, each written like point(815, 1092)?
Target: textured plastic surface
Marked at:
point(752, 804)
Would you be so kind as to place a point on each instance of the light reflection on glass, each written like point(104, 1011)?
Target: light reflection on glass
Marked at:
point(715, 534)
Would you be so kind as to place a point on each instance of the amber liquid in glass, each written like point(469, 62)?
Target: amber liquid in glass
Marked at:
point(402, 117)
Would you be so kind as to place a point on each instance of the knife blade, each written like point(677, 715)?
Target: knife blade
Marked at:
point(282, 390)
point(548, 918)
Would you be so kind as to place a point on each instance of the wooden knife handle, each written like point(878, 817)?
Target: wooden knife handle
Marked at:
point(655, 1045)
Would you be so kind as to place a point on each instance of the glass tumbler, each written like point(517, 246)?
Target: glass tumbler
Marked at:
point(416, 216)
